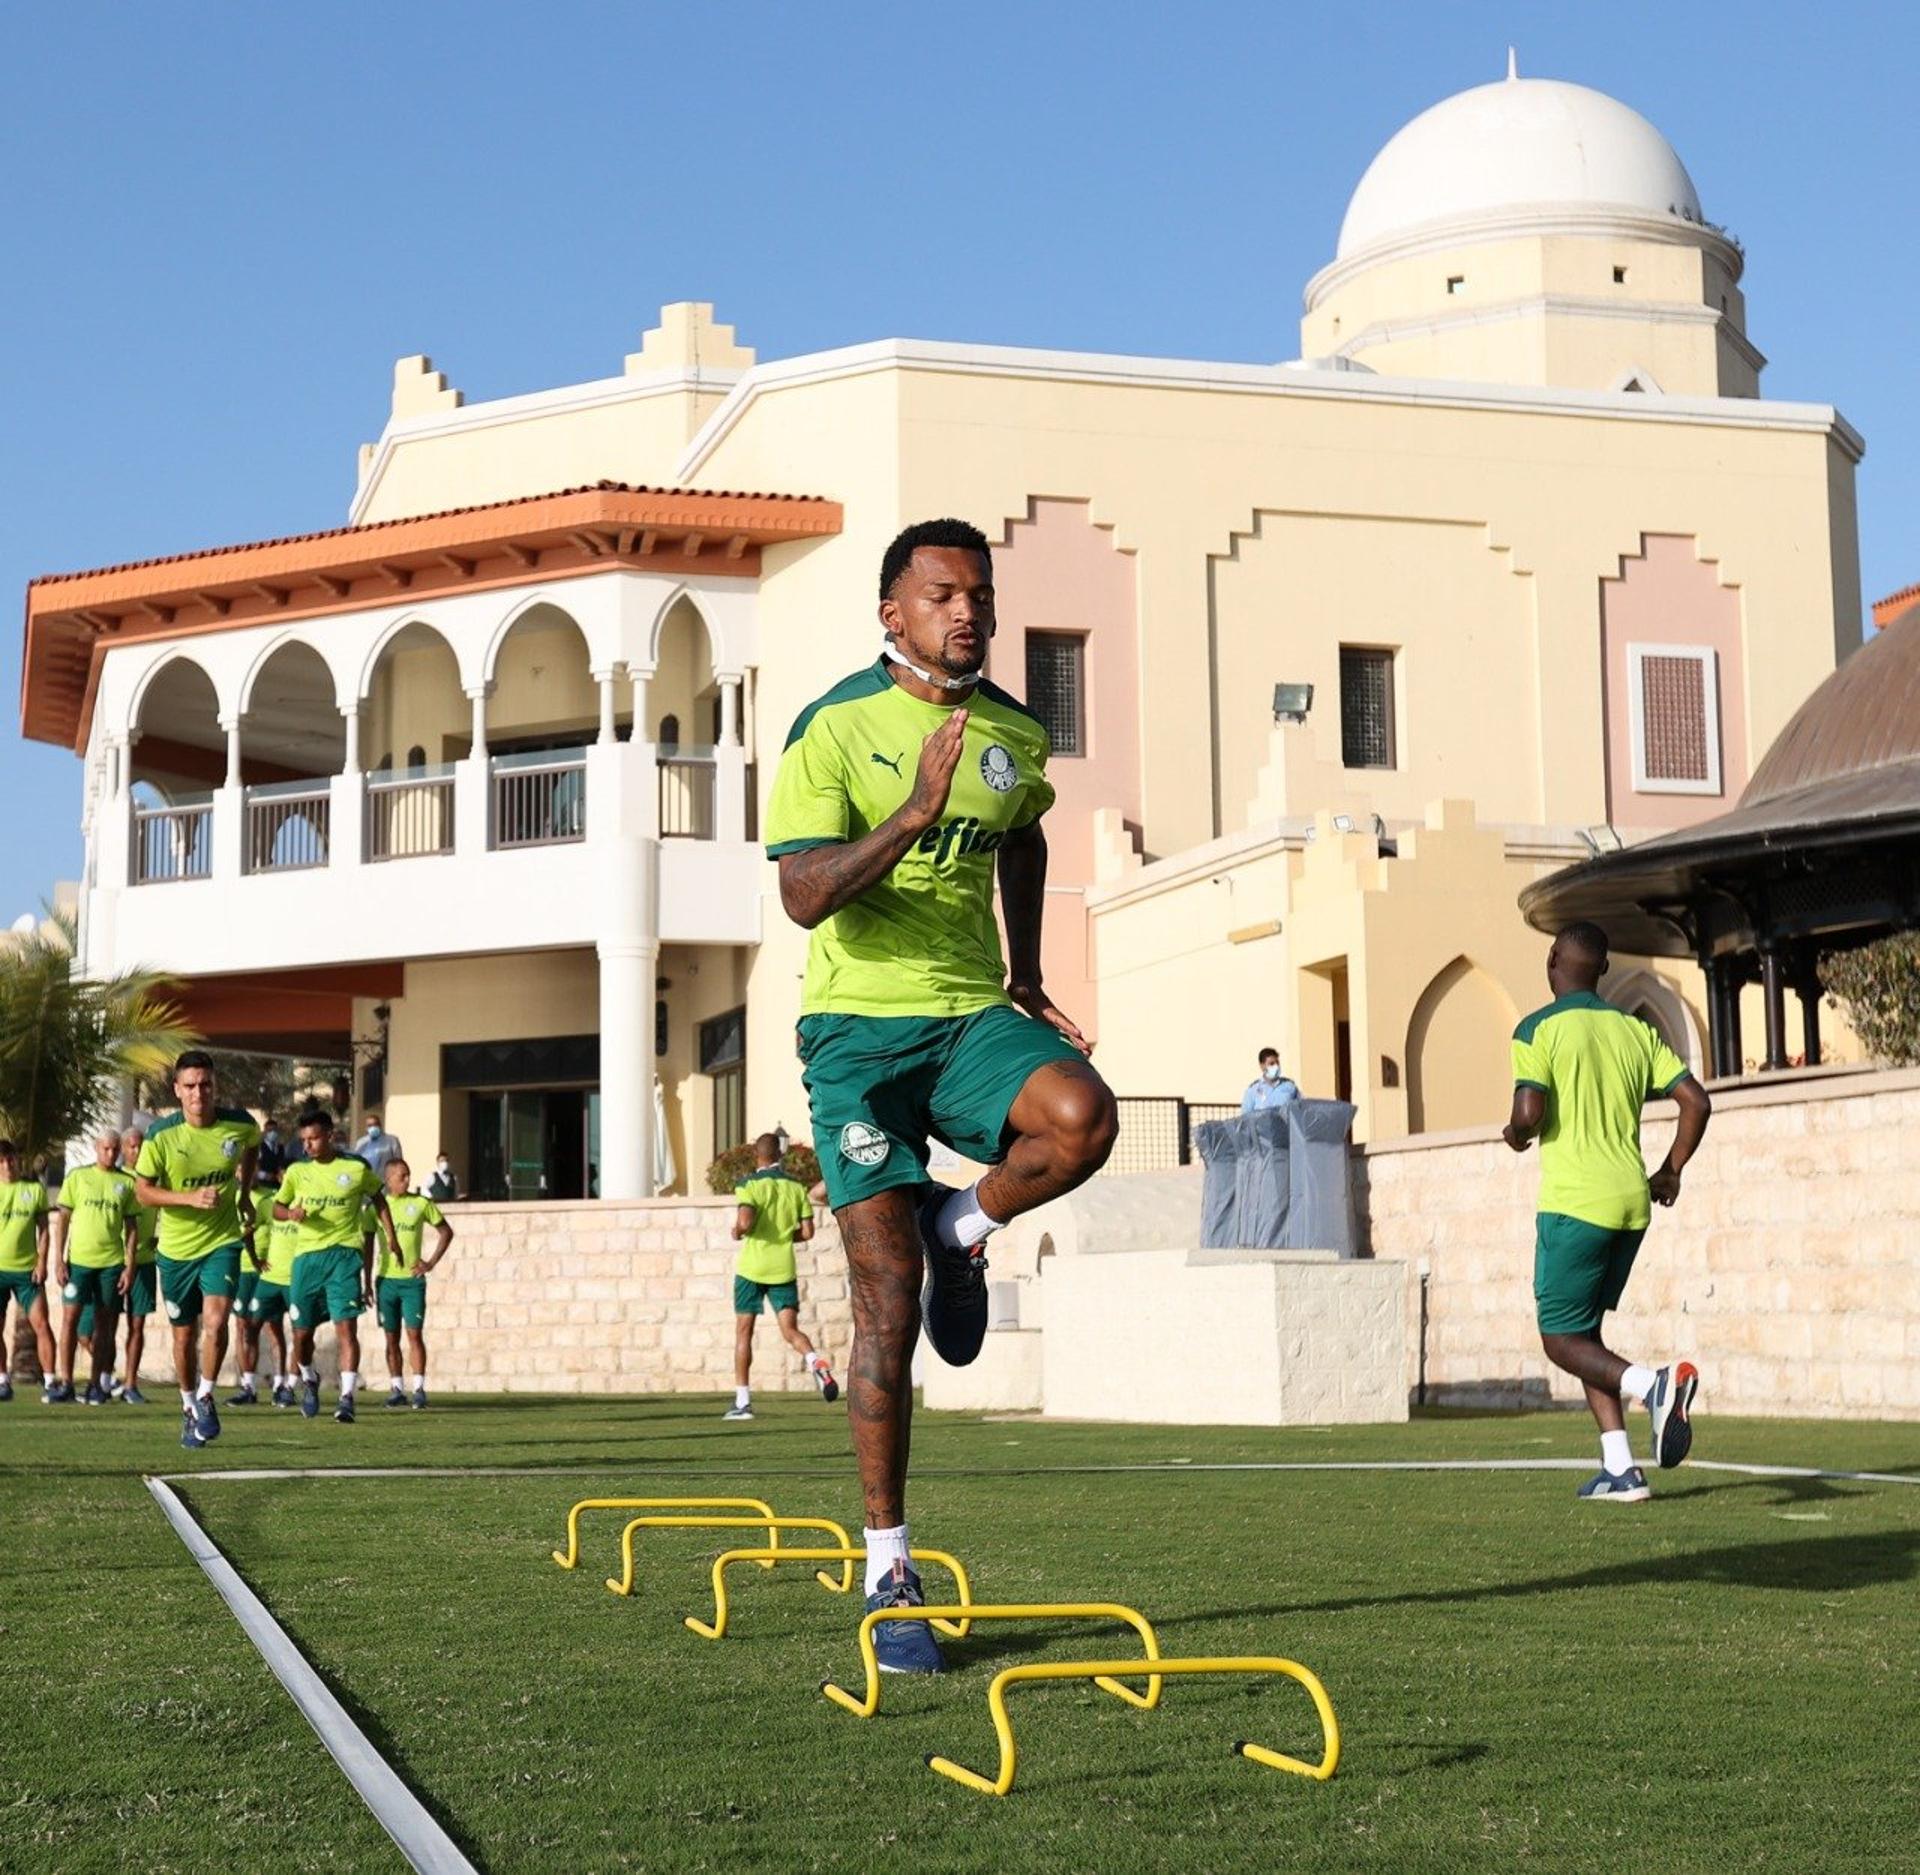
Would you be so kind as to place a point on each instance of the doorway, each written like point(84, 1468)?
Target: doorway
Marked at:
point(534, 1143)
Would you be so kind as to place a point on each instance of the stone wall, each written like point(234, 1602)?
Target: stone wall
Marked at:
point(1789, 1270)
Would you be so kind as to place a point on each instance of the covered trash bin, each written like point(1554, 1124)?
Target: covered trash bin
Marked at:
point(1280, 1179)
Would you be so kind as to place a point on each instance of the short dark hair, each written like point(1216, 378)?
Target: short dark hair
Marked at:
point(400, 1162)
point(8, 1150)
point(313, 1116)
point(943, 533)
point(1585, 939)
point(1269, 1054)
point(193, 1058)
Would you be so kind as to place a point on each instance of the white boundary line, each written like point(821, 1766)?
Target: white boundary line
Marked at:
point(1170, 1466)
point(397, 1810)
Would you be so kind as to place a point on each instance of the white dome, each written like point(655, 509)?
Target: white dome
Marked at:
point(1520, 144)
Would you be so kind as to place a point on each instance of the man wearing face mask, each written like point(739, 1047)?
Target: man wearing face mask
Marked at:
point(442, 1186)
point(378, 1148)
point(1271, 1088)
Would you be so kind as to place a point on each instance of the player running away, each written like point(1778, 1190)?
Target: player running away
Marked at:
point(903, 793)
point(775, 1212)
point(1582, 1070)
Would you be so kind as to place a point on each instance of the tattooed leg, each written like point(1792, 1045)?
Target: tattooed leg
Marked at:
point(882, 1240)
point(1065, 1121)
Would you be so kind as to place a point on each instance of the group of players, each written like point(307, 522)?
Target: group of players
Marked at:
point(177, 1217)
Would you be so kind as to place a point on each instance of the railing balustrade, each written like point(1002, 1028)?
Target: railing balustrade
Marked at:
point(687, 790)
point(289, 825)
point(173, 841)
point(540, 798)
point(410, 813)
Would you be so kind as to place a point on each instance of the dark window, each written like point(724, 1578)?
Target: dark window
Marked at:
point(1056, 688)
point(669, 732)
point(723, 1056)
point(540, 1061)
point(1674, 706)
point(1366, 708)
point(723, 1042)
point(660, 1026)
point(416, 758)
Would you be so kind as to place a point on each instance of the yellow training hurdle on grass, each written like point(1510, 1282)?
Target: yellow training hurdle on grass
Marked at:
point(1010, 1611)
point(1100, 1671)
point(623, 1583)
point(571, 1559)
point(766, 1558)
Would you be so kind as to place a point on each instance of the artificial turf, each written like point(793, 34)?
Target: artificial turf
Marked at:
point(1726, 1678)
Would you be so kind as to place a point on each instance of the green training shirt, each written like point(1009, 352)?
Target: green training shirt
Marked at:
point(780, 1207)
point(23, 1203)
point(146, 1233)
point(411, 1216)
point(100, 1203)
point(331, 1195)
point(923, 941)
point(274, 1241)
point(179, 1157)
point(1597, 1067)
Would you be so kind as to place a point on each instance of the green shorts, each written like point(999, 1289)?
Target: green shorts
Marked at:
point(881, 1086)
point(749, 1296)
point(19, 1285)
point(270, 1301)
point(182, 1285)
point(139, 1299)
point(87, 1289)
point(244, 1288)
point(325, 1287)
point(1579, 1271)
point(401, 1299)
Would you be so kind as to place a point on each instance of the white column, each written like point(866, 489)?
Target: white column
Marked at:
point(232, 727)
point(351, 766)
point(113, 835)
point(230, 810)
point(478, 697)
point(643, 774)
point(730, 766)
point(606, 680)
point(627, 973)
point(472, 809)
point(729, 712)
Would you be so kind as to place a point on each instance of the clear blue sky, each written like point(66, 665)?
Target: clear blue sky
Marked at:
point(223, 222)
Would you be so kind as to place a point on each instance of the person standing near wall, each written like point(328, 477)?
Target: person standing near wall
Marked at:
point(1269, 1088)
point(23, 1269)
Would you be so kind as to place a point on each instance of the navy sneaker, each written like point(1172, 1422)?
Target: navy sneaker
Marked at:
point(206, 1418)
point(96, 1394)
point(6, 1389)
point(344, 1411)
point(1669, 1403)
point(283, 1396)
point(189, 1433)
point(132, 1396)
point(903, 1646)
point(58, 1393)
point(245, 1397)
point(953, 1300)
point(1617, 1487)
point(398, 1397)
point(309, 1399)
point(419, 1399)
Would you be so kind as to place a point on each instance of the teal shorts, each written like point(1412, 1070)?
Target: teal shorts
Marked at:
point(749, 1297)
point(140, 1297)
point(88, 1289)
point(248, 1283)
point(183, 1285)
point(325, 1287)
point(20, 1286)
point(1579, 1271)
point(270, 1301)
point(401, 1299)
point(881, 1086)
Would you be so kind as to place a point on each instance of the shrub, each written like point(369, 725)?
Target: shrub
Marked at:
point(1878, 989)
point(736, 1163)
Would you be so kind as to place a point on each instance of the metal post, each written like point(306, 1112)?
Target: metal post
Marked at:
point(1809, 991)
point(1774, 987)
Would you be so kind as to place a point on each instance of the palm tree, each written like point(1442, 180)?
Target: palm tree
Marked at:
point(68, 1041)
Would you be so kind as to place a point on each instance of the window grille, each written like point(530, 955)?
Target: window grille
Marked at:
point(1366, 708)
point(1056, 688)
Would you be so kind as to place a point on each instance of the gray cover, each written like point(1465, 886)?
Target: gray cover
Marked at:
point(1320, 1176)
point(1278, 1180)
point(1218, 1144)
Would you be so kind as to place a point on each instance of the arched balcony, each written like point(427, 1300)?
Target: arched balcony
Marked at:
point(176, 754)
point(291, 742)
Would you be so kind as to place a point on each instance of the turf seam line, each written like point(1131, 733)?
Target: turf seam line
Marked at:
point(426, 1846)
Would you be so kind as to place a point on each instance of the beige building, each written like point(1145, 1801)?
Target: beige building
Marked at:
point(1338, 655)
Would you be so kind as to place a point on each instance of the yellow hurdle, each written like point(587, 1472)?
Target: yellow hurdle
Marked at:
point(571, 1559)
point(766, 1558)
point(1010, 1611)
point(623, 1583)
point(1100, 1671)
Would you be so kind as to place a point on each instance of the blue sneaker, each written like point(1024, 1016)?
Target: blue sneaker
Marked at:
point(132, 1396)
point(903, 1646)
point(283, 1396)
point(309, 1399)
point(6, 1389)
point(344, 1411)
point(189, 1433)
point(96, 1395)
point(398, 1397)
point(953, 1300)
point(57, 1393)
point(1669, 1403)
point(206, 1419)
point(245, 1397)
point(1617, 1487)
point(419, 1399)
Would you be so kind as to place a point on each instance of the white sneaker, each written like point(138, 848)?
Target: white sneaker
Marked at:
point(738, 1412)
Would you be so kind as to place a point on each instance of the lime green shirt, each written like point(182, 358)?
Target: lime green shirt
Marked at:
point(99, 1205)
point(274, 1241)
point(331, 1196)
point(923, 941)
point(1597, 1067)
point(411, 1216)
point(23, 1203)
point(179, 1157)
point(146, 1233)
point(780, 1207)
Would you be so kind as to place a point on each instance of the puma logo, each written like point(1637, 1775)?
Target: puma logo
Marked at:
point(894, 763)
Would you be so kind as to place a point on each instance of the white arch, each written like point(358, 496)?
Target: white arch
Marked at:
point(716, 651)
point(1642, 986)
point(171, 656)
point(388, 635)
point(518, 611)
point(267, 652)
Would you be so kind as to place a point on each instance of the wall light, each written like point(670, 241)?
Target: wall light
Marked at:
point(1291, 702)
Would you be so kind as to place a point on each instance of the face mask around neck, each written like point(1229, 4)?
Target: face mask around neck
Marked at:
point(940, 681)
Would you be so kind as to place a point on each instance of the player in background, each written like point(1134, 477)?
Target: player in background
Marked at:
point(272, 1296)
point(137, 1280)
point(196, 1169)
point(93, 1244)
point(253, 1317)
point(332, 1277)
point(902, 793)
point(774, 1213)
point(23, 1270)
point(1582, 1071)
point(400, 1288)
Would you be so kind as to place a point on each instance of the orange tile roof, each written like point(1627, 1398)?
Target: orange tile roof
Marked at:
point(1886, 610)
point(74, 618)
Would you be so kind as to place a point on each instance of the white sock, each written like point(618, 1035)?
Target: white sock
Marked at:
point(396, 1383)
point(348, 1381)
point(310, 1373)
point(884, 1549)
point(1616, 1453)
point(282, 1380)
point(743, 1396)
point(813, 1360)
point(419, 1383)
point(186, 1399)
point(1637, 1382)
point(205, 1389)
point(250, 1383)
point(106, 1379)
point(962, 1223)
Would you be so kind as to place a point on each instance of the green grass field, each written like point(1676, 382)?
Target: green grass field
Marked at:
point(1728, 1678)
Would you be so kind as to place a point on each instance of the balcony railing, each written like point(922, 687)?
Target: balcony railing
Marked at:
point(410, 815)
point(173, 842)
point(288, 825)
point(540, 799)
point(687, 791)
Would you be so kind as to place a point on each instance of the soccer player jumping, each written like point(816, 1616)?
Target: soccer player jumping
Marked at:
point(901, 793)
point(1582, 1070)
